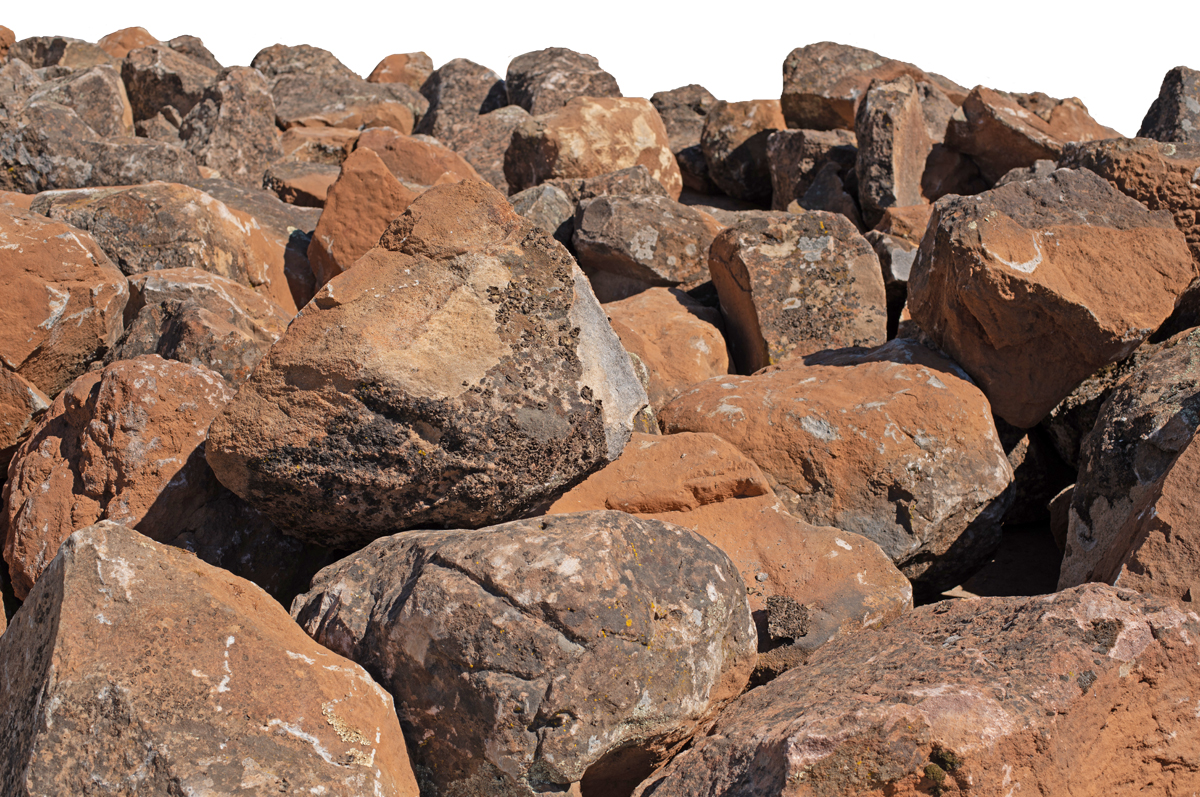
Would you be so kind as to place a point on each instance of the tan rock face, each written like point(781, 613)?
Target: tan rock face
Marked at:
point(589, 137)
point(734, 142)
point(1035, 285)
point(119, 43)
point(893, 145)
point(131, 662)
point(419, 161)
point(440, 381)
point(1082, 683)
point(65, 300)
point(358, 208)
point(678, 340)
point(795, 284)
point(21, 404)
point(535, 620)
point(892, 443)
point(412, 69)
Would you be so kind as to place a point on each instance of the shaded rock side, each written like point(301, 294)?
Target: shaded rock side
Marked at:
point(232, 128)
point(893, 145)
point(157, 76)
point(458, 91)
point(545, 80)
point(1175, 113)
point(734, 143)
point(797, 157)
point(44, 51)
point(21, 405)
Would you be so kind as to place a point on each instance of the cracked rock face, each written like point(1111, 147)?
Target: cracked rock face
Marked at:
point(524, 658)
point(134, 668)
point(461, 374)
point(1034, 286)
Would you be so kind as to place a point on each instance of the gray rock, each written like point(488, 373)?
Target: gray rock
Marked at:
point(43, 51)
point(232, 128)
point(1175, 114)
point(483, 140)
point(97, 96)
point(544, 80)
point(458, 91)
point(549, 207)
point(194, 48)
point(796, 158)
point(157, 76)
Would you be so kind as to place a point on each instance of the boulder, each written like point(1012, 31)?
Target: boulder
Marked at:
point(984, 696)
point(635, 181)
point(626, 244)
point(196, 317)
point(1039, 169)
point(97, 96)
point(44, 51)
point(483, 140)
point(231, 129)
point(1033, 286)
point(194, 48)
point(549, 207)
point(906, 222)
point(119, 43)
point(460, 374)
point(588, 137)
point(458, 91)
point(734, 142)
point(358, 207)
point(17, 82)
point(412, 69)
point(796, 158)
point(795, 284)
point(1175, 114)
point(683, 111)
point(66, 300)
point(417, 161)
point(280, 59)
point(300, 183)
point(545, 80)
point(895, 444)
point(7, 40)
point(157, 76)
point(132, 667)
point(21, 405)
point(893, 145)
point(522, 626)
point(330, 145)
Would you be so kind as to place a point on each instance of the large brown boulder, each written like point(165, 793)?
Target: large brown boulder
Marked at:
point(119, 43)
point(461, 373)
point(231, 130)
point(497, 644)
point(157, 76)
point(458, 91)
point(797, 158)
point(65, 300)
point(589, 137)
point(97, 96)
point(416, 161)
point(545, 80)
point(1175, 114)
point(987, 696)
point(795, 283)
point(127, 444)
point(892, 443)
point(412, 69)
point(134, 668)
point(483, 140)
point(893, 145)
point(734, 143)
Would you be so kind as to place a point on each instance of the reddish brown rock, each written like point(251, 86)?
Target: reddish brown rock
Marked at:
point(1035, 285)
point(796, 284)
point(43, 51)
point(7, 40)
point(1175, 113)
point(194, 48)
point(21, 405)
point(545, 80)
point(157, 76)
point(232, 128)
point(483, 140)
point(796, 158)
point(133, 663)
point(13, 203)
point(412, 69)
point(416, 160)
point(893, 145)
point(589, 137)
point(299, 183)
point(97, 96)
point(985, 696)
point(65, 300)
point(892, 443)
point(318, 144)
point(908, 222)
point(734, 142)
point(358, 207)
point(458, 91)
point(119, 43)
point(531, 621)
point(831, 191)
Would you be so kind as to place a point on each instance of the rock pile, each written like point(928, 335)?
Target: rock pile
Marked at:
point(466, 432)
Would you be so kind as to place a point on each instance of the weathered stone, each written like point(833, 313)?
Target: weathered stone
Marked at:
point(21, 405)
point(588, 137)
point(545, 80)
point(626, 244)
point(195, 317)
point(119, 43)
point(833, 190)
point(483, 140)
point(987, 696)
point(417, 161)
point(157, 76)
point(682, 111)
point(896, 256)
point(358, 208)
point(194, 48)
point(461, 373)
point(797, 284)
point(458, 91)
point(330, 145)
point(281, 59)
point(734, 142)
point(97, 96)
point(1039, 473)
point(17, 82)
point(530, 621)
point(7, 40)
point(948, 171)
point(132, 666)
point(548, 207)
point(43, 51)
point(635, 181)
point(300, 183)
point(907, 222)
point(65, 300)
point(412, 69)
point(893, 145)
point(160, 128)
point(1175, 114)
point(895, 444)
point(1039, 170)
point(796, 157)
point(232, 128)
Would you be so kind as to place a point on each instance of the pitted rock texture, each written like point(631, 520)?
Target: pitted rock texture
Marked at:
point(416, 161)
point(97, 96)
point(892, 443)
point(21, 405)
point(590, 647)
point(119, 43)
point(135, 668)
point(634, 181)
point(588, 137)
point(458, 91)
point(701, 482)
point(796, 158)
point(483, 140)
point(232, 128)
point(992, 696)
point(1175, 114)
point(157, 76)
point(43, 51)
point(795, 284)
point(460, 374)
point(545, 80)
point(410, 68)
point(893, 145)
point(1143, 425)
point(1035, 285)
point(734, 143)
point(549, 207)
point(65, 300)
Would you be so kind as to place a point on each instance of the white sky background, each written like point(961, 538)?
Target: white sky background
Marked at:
point(1113, 57)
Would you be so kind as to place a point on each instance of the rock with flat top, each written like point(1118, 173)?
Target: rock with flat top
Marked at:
point(893, 145)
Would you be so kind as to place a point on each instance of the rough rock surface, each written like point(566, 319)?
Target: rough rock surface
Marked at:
point(683, 111)
point(21, 405)
point(97, 96)
point(417, 161)
point(194, 48)
point(734, 142)
point(44, 51)
point(894, 443)
point(157, 76)
point(133, 668)
point(1175, 114)
point(549, 207)
point(797, 284)
point(796, 158)
point(460, 374)
point(987, 696)
point(65, 300)
point(545, 80)
point(893, 145)
point(1033, 286)
point(7, 40)
point(458, 91)
point(635, 181)
point(483, 140)
point(329, 145)
point(119, 43)
point(588, 137)
point(410, 68)
point(531, 622)
point(232, 128)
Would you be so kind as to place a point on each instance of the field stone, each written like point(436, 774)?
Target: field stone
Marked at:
point(21, 405)
point(7, 40)
point(281, 59)
point(410, 68)
point(300, 183)
point(1175, 113)
point(17, 82)
point(232, 128)
point(734, 142)
point(484, 139)
point(458, 91)
point(97, 96)
point(119, 43)
point(796, 157)
point(134, 666)
point(417, 161)
point(460, 374)
point(683, 111)
point(44, 51)
point(194, 48)
point(545, 80)
point(549, 207)
point(331, 145)
point(523, 626)
point(157, 76)
point(893, 145)
point(634, 181)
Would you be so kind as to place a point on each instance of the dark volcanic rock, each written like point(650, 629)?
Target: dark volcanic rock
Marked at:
point(458, 91)
point(483, 140)
point(893, 145)
point(683, 111)
point(796, 158)
point(545, 80)
point(734, 142)
point(232, 128)
point(194, 48)
point(520, 627)
point(1175, 115)
point(43, 51)
point(549, 207)
point(157, 76)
